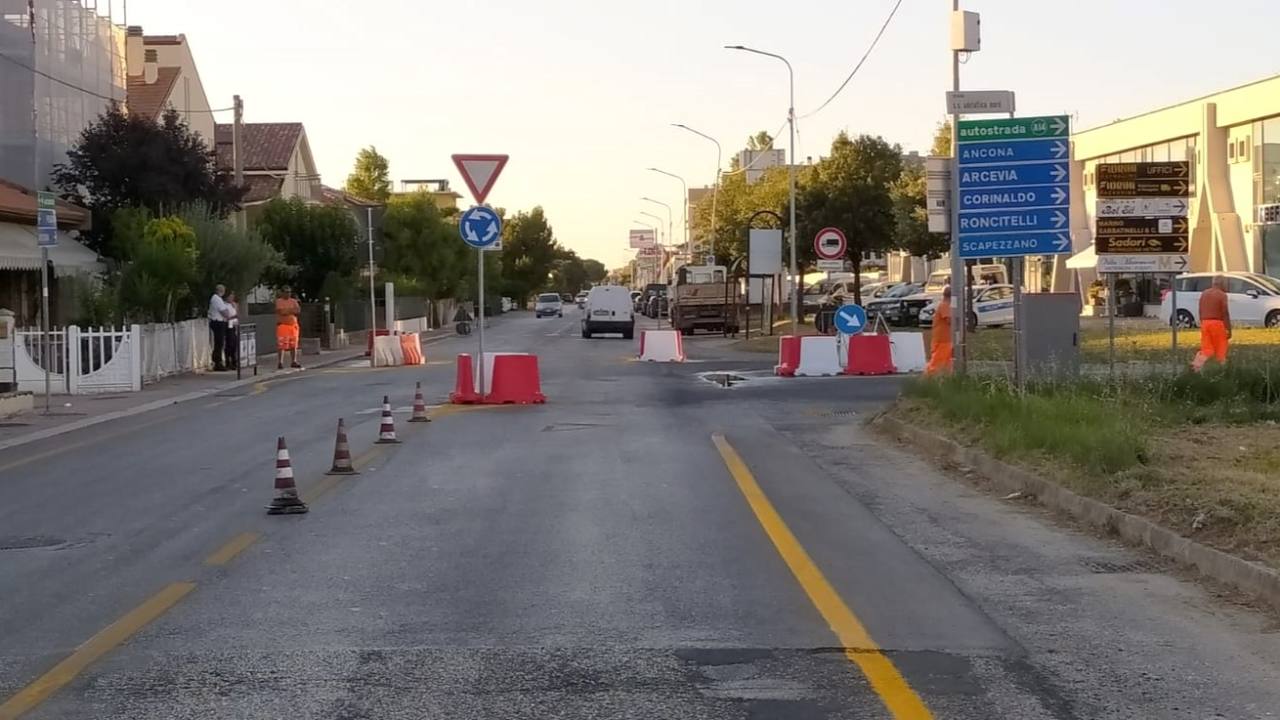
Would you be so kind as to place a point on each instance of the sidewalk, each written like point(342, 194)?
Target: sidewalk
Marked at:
point(73, 412)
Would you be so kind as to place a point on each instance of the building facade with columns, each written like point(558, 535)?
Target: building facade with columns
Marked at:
point(1232, 141)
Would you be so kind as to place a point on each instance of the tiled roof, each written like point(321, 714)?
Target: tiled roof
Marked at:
point(334, 196)
point(267, 146)
point(149, 100)
point(262, 188)
point(18, 204)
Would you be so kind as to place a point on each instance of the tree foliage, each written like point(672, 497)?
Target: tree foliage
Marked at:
point(161, 270)
point(130, 161)
point(225, 255)
point(910, 210)
point(317, 243)
point(421, 249)
point(529, 252)
point(371, 178)
point(596, 271)
point(738, 201)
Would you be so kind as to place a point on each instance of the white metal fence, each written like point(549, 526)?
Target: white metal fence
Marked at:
point(79, 361)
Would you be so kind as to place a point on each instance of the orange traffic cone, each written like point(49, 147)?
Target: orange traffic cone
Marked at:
point(342, 464)
point(419, 406)
point(387, 433)
point(286, 501)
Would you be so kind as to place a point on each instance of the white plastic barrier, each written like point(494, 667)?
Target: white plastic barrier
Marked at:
point(907, 350)
point(387, 351)
point(819, 356)
point(661, 346)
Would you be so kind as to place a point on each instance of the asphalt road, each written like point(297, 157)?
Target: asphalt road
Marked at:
point(648, 544)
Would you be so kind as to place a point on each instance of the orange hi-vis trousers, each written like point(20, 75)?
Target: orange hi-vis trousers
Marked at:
point(1213, 344)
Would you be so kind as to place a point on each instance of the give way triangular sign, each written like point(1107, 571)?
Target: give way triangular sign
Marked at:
point(480, 172)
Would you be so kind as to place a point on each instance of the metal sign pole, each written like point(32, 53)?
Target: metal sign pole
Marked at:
point(480, 314)
point(1173, 316)
point(45, 351)
point(1111, 326)
point(1019, 370)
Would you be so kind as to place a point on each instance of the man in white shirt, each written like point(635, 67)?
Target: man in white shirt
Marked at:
point(219, 312)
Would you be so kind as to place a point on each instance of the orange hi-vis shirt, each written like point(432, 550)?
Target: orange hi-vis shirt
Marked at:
point(287, 311)
point(942, 323)
point(1213, 305)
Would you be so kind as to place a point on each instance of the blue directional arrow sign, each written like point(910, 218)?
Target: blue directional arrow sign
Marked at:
point(1056, 196)
point(851, 319)
point(1015, 187)
point(1013, 175)
point(480, 227)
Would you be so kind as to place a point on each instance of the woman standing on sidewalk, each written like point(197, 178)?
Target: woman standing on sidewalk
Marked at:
point(231, 349)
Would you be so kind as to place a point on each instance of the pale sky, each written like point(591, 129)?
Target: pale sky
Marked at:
point(581, 93)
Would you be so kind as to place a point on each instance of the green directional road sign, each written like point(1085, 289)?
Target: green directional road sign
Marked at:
point(1032, 128)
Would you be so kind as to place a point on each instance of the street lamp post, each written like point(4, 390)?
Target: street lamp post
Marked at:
point(670, 237)
point(685, 186)
point(715, 189)
point(791, 179)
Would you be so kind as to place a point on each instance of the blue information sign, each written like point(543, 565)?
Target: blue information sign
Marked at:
point(480, 227)
point(46, 219)
point(1015, 187)
point(851, 319)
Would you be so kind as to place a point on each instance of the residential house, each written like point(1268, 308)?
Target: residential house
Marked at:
point(277, 163)
point(161, 75)
point(445, 198)
point(20, 254)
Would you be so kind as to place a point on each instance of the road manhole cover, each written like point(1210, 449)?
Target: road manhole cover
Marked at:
point(28, 542)
point(723, 379)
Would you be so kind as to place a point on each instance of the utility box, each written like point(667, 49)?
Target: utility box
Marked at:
point(1050, 326)
point(966, 31)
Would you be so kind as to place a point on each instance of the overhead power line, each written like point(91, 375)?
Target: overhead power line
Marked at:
point(875, 41)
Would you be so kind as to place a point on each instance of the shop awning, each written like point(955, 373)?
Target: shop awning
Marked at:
point(19, 251)
point(1086, 259)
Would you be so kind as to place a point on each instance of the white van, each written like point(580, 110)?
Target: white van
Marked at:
point(608, 309)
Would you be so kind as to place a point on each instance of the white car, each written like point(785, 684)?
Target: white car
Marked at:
point(1252, 299)
point(992, 307)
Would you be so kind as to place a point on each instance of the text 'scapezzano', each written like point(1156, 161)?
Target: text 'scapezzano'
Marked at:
point(1015, 187)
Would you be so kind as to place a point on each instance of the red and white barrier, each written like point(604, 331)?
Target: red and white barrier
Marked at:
point(869, 355)
point(396, 350)
point(819, 357)
point(509, 378)
point(411, 349)
point(788, 356)
point(908, 352)
point(661, 346)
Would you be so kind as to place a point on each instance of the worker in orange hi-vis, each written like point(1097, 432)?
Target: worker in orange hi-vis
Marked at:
point(1215, 325)
point(287, 328)
point(940, 343)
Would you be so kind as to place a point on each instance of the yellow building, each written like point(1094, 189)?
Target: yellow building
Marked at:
point(1232, 139)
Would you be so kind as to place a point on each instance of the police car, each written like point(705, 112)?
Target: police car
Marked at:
point(992, 307)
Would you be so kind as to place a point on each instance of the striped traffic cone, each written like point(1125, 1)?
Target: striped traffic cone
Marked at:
point(286, 501)
point(342, 464)
point(419, 406)
point(387, 433)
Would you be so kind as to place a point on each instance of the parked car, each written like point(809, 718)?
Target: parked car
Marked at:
point(635, 300)
point(548, 304)
point(508, 304)
point(607, 309)
point(1252, 299)
point(992, 307)
point(658, 306)
point(581, 299)
point(567, 298)
point(889, 304)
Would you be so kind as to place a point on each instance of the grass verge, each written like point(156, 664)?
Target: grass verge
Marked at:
point(1196, 453)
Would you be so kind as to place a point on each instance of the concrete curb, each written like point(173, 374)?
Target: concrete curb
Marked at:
point(1253, 579)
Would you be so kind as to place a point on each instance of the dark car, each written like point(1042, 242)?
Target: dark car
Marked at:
point(890, 305)
point(657, 306)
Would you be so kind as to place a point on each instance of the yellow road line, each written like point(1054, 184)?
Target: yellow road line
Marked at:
point(902, 702)
point(93, 649)
point(234, 547)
